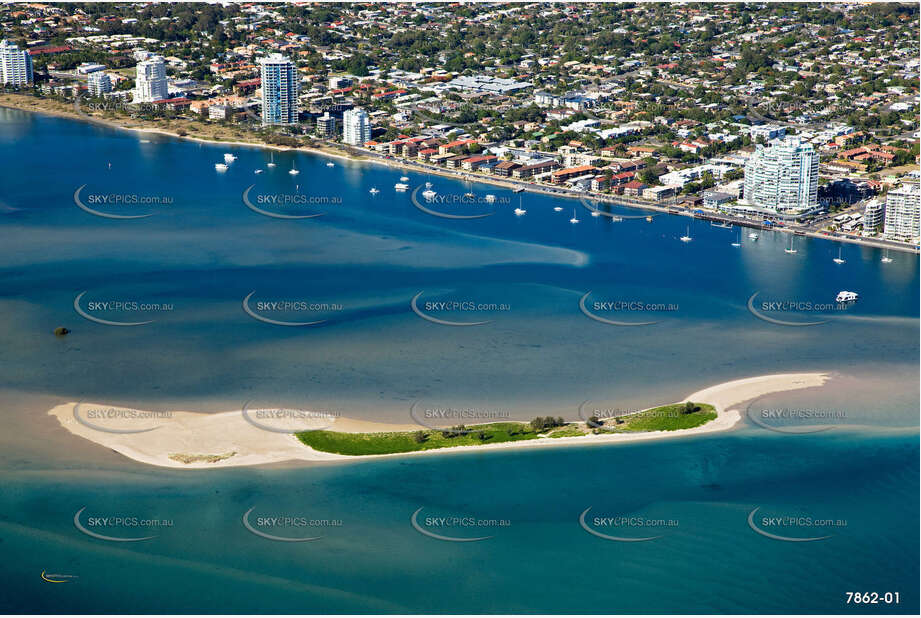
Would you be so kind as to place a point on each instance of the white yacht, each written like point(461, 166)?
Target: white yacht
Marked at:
point(469, 196)
point(687, 235)
point(374, 191)
point(271, 163)
point(557, 208)
point(753, 236)
point(846, 297)
point(221, 167)
point(574, 219)
point(520, 211)
point(400, 186)
point(258, 172)
point(490, 198)
point(839, 259)
point(596, 213)
point(517, 189)
point(293, 172)
point(229, 158)
point(428, 185)
point(404, 178)
point(886, 259)
point(330, 164)
point(428, 194)
point(790, 249)
point(738, 243)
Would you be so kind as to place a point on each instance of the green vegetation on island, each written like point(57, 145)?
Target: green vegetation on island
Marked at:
point(663, 418)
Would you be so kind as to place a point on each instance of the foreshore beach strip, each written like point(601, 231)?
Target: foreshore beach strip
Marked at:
point(204, 133)
point(192, 440)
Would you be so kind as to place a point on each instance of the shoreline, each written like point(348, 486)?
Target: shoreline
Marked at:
point(364, 156)
point(230, 439)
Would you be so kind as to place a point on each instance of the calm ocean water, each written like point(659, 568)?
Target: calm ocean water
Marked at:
point(199, 255)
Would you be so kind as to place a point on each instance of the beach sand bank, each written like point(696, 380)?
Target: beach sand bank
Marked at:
point(193, 440)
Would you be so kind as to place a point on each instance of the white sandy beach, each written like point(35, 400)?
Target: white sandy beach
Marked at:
point(254, 442)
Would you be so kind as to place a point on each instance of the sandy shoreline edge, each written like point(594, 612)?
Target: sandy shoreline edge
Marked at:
point(408, 165)
point(194, 433)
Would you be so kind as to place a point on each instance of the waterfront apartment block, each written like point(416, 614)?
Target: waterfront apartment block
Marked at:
point(98, 83)
point(150, 83)
point(356, 126)
point(783, 179)
point(280, 89)
point(903, 222)
point(15, 65)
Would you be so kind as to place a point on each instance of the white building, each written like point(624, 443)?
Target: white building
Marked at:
point(767, 131)
point(356, 127)
point(873, 216)
point(150, 83)
point(98, 83)
point(783, 179)
point(280, 88)
point(15, 65)
point(902, 216)
point(326, 125)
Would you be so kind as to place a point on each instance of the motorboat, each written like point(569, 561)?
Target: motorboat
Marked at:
point(490, 198)
point(428, 194)
point(557, 208)
point(404, 178)
point(400, 186)
point(330, 164)
point(517, 189)
point(520, 211)
point(221, 167)
point(374, 191)
point(229, 158)
point(293, 172)
point(846, 297)
point(753, 236)
point(258, 172)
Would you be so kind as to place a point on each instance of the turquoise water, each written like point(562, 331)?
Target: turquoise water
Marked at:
point(205, 251)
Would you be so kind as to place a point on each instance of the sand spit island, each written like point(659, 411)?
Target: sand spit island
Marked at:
point(191, 440)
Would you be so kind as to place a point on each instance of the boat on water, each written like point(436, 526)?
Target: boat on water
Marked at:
point(738, 242)
point(520, 211)
point(428, 194)
point(428, 185)
point(613, 217)
point(221, 167)
point(374, 191)
point(293, 172)
point(330, 164)
point(687, 235)
point(229, 158)
point(517, 189)
point(574, 218)
point(401, 186)
point(721, 224)
point(753, 236)
point(258, 172)
point(557, 208)
point(790, 249)
point(886, 259)
point(469, 196)
point(271, 162)
point(846, 297)
point(595, 213)
point(490, 198)
point(839, 259)
point(649, 219)
point(404, 178)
